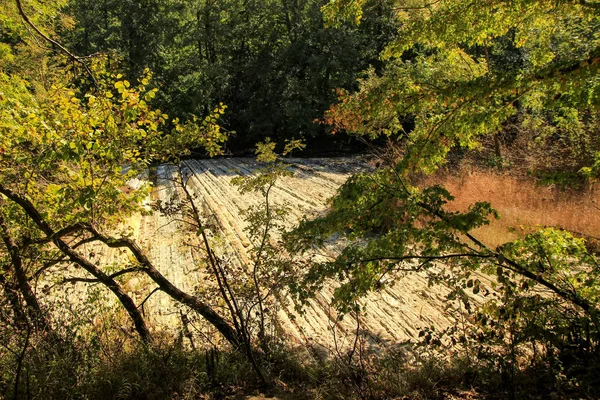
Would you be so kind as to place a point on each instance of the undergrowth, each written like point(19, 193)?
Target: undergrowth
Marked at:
point(167, 369)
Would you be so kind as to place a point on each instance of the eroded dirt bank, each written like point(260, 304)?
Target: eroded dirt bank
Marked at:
point(394, 315)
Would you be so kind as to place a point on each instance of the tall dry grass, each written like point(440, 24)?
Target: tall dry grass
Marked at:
point(522, 204)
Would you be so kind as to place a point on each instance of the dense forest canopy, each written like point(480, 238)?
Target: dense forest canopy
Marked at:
point(94, 96)
point(272, 62)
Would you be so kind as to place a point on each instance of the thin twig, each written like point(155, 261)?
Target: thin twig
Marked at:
point(75, 58)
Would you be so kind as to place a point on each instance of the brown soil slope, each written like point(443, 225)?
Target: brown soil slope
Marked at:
point(523, 205)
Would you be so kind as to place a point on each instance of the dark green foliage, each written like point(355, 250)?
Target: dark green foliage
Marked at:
point(458, 72)
point(272, 62)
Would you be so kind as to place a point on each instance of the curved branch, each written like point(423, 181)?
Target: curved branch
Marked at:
point(166, 286)
point(148, 297)
point(72, 56)
point(95, 280)
point(29, 208)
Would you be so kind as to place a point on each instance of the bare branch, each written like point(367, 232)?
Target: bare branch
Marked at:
point(72, 56)
point(166, 286)
point(29, 208)
point(96, 280)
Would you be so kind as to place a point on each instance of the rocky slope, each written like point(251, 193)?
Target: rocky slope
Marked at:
point(392, 316)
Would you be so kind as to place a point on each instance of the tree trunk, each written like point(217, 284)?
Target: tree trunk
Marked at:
point(12, 296)
point(74, 256)
point(38, 316)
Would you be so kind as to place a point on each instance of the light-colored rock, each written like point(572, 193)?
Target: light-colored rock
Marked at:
point(394, 315)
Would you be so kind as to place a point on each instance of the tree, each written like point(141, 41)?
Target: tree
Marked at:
point(68, 156)
point(66, 159)
point(272, 62)
point(456, 73)
point(476, 67)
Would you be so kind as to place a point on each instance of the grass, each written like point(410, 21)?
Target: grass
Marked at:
point(167, 369)
point(522, 204)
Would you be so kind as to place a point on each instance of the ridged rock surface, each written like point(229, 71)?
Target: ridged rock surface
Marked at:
point(393, 315)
